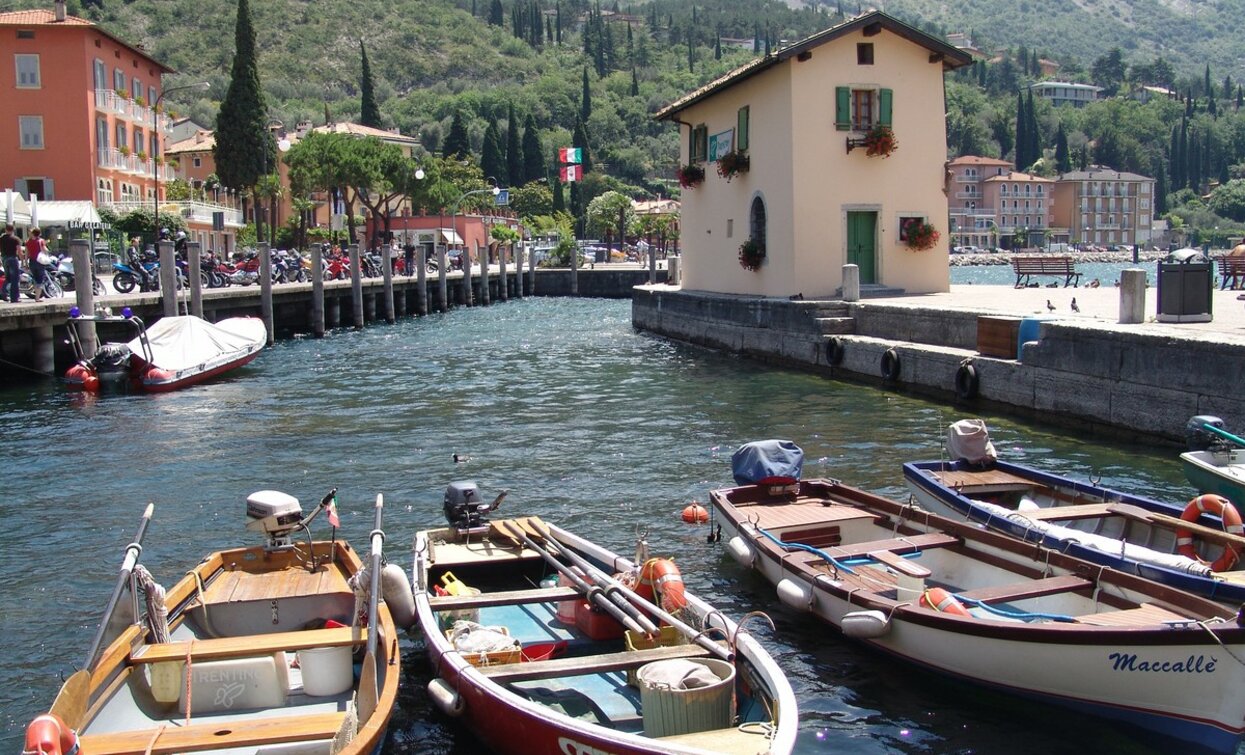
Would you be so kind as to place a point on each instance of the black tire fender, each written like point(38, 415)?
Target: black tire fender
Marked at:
point(966, 381)
point(834, 351)
point(890, 365)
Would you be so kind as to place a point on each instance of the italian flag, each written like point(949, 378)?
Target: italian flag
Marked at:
point(571, 155)
point(571, 173)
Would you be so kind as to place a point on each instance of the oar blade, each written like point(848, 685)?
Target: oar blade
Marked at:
point(71, 701)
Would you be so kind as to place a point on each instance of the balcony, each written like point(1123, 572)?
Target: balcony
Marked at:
point(967, 195)
point(193, 211)
point(108, 101)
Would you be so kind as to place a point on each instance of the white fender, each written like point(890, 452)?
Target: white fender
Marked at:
point(741, 551)
point(795, 594)
point(449, 701)
point(396, 589)
point(865, 625)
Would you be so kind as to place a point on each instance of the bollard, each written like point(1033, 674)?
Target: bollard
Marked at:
point(42, 349)
point(674, 269)
point(484, 295)
point(851, 283)
point(574, 270)
point(356, 286)
point(652, 264)
point(168, 278)
point(1132, 296)
point(518, 272)
point(421, 287)
point(265, 291)
point(386, 269)
point(194, 270)
point(443, 298)
point(502, 281)
point(531, 271)
point(317, 290)
point(84, 293)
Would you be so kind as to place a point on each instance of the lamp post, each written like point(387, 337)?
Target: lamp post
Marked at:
point(494, 189)
point(155, 129)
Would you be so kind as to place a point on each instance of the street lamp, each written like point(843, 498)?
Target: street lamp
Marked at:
point(155, 129)
point(494, 189)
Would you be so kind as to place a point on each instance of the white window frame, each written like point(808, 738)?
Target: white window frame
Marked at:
point(100, 74)
point(30, 129)
point(118, 79)
point(103, 191)
point(27, 79)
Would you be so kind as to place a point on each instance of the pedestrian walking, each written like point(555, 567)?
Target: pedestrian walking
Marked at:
point(37, 257)
point(9, 246)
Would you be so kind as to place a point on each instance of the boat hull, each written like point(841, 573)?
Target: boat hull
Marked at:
point(1210, 474)
point(1177, 681)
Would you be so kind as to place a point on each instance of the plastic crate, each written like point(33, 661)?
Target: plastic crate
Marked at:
point(665, 637)
point(492, 657)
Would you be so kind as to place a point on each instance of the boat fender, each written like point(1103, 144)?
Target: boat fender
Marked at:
point(1221, 507)
point(834, 351)
point(741, 552)
point(966, 382)
point(446, 698)
point(890, 365)
point(395, 587)
point(865, 625)
point(795, 595)
point(942, 601)
point(49, 735)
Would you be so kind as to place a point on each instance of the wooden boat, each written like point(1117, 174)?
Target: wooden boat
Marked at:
point(174, 353)
point(986, 607)
point(1215, 461)
point(567, 677)
point(1128, 533)
point(257, 657)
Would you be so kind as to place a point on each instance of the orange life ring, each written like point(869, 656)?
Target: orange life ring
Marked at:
point(659, 577)
point(48, 735)
point(942, 601)
point(1215, 505)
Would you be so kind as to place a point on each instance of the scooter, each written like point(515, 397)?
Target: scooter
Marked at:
point(65, 276)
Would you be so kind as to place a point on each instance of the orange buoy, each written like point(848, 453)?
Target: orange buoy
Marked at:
point(48, 735)
point(942, 601)
point(694, 513)
point(660, 578)
point(1221, 507)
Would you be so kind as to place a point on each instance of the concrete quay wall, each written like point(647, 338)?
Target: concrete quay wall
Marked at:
point(1105, 378)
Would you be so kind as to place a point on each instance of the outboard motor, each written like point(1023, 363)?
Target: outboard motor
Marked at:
point(464, 509)
point(111, 358)
point(1198, 438)
point(278, 515)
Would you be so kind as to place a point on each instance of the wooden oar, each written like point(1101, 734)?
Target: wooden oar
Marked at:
point(691, 632)
point(594, 594)
point(128, 562)
point(1176, 523)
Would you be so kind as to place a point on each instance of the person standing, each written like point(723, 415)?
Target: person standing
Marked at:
point(135, 259)
point(36, 246)
point(9, 244)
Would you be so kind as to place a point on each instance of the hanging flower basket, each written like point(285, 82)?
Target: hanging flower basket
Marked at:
point(691, 176)
point(880, 141)
point(920, 235)
point(751, 254)
point(732, 164)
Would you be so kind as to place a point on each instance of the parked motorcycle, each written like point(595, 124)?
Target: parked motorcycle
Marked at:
point(65, 276)
point(126, 280)
point(336, 268)
point(245, 272)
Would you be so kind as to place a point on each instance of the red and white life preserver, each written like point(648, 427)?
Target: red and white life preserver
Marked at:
point(1215, 505)
point(49, 735)
point(942, 601)
point(660, 578)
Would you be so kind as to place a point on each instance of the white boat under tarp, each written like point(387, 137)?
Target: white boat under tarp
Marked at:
point(186, 342)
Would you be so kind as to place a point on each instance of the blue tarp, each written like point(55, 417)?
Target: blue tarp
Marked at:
point(767, 462)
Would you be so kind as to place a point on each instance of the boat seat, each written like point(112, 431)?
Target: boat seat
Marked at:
point(1067, 513)
point(1034, 588)
point(507, 598)
point(1147, 614)
point(249, 645)
point(900, 545)
point(590, 664)
point(216, 735)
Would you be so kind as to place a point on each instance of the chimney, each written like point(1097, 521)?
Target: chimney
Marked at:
point(60, 10)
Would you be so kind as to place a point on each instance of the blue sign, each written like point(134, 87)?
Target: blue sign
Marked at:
point(503, 198)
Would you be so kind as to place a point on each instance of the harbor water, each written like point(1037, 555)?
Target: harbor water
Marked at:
point(587, 423)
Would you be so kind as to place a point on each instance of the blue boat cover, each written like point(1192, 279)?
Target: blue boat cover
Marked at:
point(767, 462)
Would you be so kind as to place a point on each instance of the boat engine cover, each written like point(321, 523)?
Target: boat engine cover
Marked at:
point(272, 511)
point(1198, 438)
point(463, 505)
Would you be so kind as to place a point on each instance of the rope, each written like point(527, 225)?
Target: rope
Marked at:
point(1023, 615)
point(157, 609)
point(189, 687)
point(1205, 624)
point(802, 547)
point(151, 744)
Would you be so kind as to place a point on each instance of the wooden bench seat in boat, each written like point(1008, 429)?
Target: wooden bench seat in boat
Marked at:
point(588, 664)
point(247, 645)
point(216, 735)
point(899, 545)
point(1035, 588)
point(507, 598)
point(1068, 513)
point(1147, 614)
point(981, 480)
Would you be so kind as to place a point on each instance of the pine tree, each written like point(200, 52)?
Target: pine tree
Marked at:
point(1022, 140)
point(514, 150)
point(243, 144)
point(585, 99)
point(1063, 161)
point(370, 112)
point(533, 153)
point(492, 155)
point(457, 143)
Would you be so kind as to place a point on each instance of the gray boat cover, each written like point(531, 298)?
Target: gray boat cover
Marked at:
point(767, 462)
point(179, 343)
point(969, 440)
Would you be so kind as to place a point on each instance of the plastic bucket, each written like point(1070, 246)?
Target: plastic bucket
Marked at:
point(669, 712)
point(1030, 330)
point(326, 671)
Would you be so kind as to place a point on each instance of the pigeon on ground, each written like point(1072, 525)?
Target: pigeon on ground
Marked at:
point(1075, 308)
point(1050, 307)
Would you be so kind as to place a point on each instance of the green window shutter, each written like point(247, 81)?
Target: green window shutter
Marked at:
point(842, 108)
point(741, 136)
point(885, 99)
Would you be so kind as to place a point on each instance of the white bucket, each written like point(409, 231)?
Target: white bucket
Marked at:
point(326, 671)
point(669, 712)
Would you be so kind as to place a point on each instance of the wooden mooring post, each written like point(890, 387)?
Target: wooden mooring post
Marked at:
point(317, 290)
point(421, 277)
point(265, 291)
point(386, 271)
point(168, 278)
point(194, 254)
point(356, 286)
point(84, 293)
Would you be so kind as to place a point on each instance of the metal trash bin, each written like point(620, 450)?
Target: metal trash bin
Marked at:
point(1185, 283)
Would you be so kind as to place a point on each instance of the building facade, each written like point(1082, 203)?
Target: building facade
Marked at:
point(1066, 93)
point(992, 205)
point(809, 193)
point(1104, 207)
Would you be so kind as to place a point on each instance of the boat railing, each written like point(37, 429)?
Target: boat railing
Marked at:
point(136, 322)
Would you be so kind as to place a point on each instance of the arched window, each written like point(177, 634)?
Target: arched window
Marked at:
point(756, 221)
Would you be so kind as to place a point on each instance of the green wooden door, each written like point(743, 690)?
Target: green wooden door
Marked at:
point(862, 244)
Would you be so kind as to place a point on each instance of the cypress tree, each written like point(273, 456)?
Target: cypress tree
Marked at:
point(756, 39)
point(1240, 96)
point(496, 16)
point(635, 83)
point(1206, 83)
point(1082, 157)
point(533, 153)
point(691, 54)
point(370, 112)
point(1160, 188)
point(585, 99)
point(1211, 107)
point(243, 144)
point(1063, 161)
point(514, 149)
point(558, 25)
point(457, 143)
point(1034, 150)
point(1175, 159)
point(1194, 163)
point(559, 201)
point(1022, 140)
point(579, 138)
point(1186, 181)
point(492, 156)
point(717, 47)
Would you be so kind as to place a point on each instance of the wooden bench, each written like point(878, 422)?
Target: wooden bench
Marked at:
point(899, 545)
point(589, 664)
point(1034, 588)
point(216, 735)
point(1027, 268)
point(1147, 614)
point(1068, 513)
point(248, 645)
point(1231, 272)
point(507, 598)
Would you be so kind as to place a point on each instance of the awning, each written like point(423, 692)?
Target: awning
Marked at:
point(68, 214)
point(14, 208)
point(450, 237)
